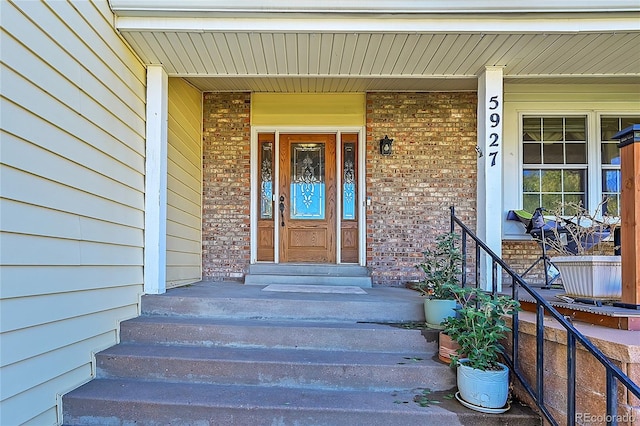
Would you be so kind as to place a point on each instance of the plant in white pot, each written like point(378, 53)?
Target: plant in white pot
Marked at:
point(442, 268)
point(587, 264)
point(478, 327)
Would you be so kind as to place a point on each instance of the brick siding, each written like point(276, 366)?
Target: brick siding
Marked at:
point(226, 174)
point(433, 166)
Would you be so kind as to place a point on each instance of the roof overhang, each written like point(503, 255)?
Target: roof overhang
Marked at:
point(355, 45)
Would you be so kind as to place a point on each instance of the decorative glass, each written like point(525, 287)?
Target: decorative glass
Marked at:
point(307, 181)
point(348, 181)
point(266, 181)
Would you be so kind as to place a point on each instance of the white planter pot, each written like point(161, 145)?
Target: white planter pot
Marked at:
point(437, 310)
point(488, 389)
point(591, 276)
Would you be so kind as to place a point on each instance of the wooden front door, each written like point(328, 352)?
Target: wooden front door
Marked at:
point(307, 198)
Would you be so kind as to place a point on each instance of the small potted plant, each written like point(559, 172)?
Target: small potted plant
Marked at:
point(442, 269)
point(587, 264)
point(478, 327)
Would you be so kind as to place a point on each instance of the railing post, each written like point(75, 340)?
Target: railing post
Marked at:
point(571, 379)
point(612, 399)
point(452, 209)
point(463, 281)
point(540, 353)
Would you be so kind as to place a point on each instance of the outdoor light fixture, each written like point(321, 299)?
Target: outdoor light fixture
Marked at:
point(385, 145)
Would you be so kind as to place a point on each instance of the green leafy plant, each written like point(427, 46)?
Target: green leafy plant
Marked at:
point(442, 267)
point(479, 326)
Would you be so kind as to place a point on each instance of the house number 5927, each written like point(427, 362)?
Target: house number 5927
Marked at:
point(494, 122)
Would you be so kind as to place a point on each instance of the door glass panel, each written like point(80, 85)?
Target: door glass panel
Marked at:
point(266, 181)
point(307, 181)
point(349, 182)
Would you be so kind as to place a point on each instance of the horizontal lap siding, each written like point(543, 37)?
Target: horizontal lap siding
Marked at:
point(184, 184)
point(72, 197)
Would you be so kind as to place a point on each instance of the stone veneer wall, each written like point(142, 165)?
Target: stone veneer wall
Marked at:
point(433, 166)
point(620, 346)
point(226, 173)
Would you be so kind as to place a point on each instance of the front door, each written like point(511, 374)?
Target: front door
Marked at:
point(307, 198)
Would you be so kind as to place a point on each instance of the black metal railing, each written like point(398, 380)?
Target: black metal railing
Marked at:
point(613, 374)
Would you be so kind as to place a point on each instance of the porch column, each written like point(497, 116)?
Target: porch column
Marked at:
point(489, 191)
point(630, 217)
point(155, 204)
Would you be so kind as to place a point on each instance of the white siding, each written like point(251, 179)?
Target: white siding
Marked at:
point(71, 200)
point(184, 184)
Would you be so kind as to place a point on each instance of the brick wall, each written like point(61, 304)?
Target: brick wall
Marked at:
point(226, 198)
point(520, 255)
point(433, 166)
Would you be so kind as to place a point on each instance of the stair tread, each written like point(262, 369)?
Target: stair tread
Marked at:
point(184, 399)
point(271, 355)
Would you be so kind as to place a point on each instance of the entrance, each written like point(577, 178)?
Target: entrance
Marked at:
point(313, 215)
point(307, 200)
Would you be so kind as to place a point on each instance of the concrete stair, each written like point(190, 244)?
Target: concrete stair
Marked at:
point(188, 361)
point(308, 274)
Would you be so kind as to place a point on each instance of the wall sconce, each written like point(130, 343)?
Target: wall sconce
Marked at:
point(385, 145)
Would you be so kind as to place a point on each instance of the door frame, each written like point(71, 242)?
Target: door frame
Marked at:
point(336, 130)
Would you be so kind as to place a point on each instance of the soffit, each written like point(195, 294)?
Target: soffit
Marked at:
point(355, 52)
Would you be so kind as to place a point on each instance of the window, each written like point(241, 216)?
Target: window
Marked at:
point(556, 155)
point(610, 160)
point(554, 161)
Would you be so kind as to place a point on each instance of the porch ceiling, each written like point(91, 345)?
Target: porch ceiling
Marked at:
point(356, 52)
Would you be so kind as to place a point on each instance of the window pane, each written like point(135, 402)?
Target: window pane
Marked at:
point(629, 121)
point(575, 129)
point(266, 180)
point(531, 180)
point(576, 153)
point(531, 153)
point(530, 202)
point(574, 199)
point(608, 128)
point(610, 153)
point(307, 181)
point(574, 181)
point(611, 207)
point(531, 129)
point(551, 180)
point(348, 181)
point(611, 181)
point(551, 201)
point(553, 153)
point(552, 129)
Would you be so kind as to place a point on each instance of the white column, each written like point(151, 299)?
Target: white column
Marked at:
point(155, 203)
point(489, 195)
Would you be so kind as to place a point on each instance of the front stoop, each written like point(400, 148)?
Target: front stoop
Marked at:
point(192, 358)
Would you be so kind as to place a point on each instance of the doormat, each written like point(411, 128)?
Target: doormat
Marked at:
point(338, 289)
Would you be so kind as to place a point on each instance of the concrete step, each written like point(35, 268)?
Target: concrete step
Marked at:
point(296, 368)
point(242, 333)
point(308, 269)
point(148, 403)
point(364, 282)
point(236, 301)
point(308, 274)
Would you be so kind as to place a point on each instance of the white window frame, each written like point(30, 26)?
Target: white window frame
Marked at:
point(563, 166)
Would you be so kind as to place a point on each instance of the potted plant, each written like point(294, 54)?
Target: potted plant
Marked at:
point(587, 264)
point(478, 327)
point(442, 269)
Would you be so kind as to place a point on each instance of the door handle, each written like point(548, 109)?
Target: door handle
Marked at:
point(282, 210)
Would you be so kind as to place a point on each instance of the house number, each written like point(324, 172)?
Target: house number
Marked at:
point(494, 137)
